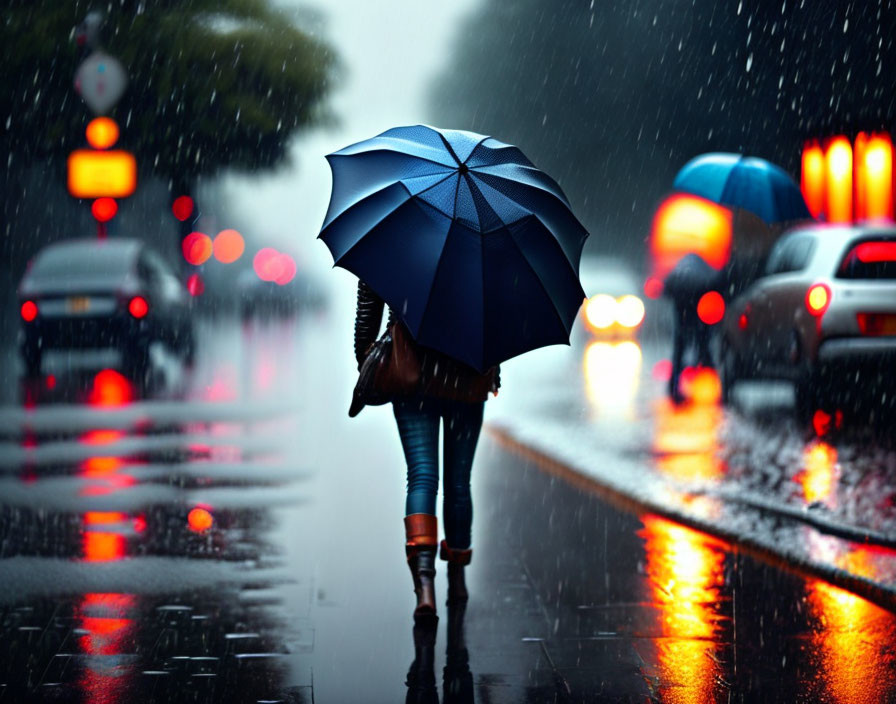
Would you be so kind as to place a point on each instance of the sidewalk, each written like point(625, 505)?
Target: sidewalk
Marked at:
point(818, 502)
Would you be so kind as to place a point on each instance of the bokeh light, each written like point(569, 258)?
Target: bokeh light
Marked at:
point(195, 285)
point(102, 132)
point(200, 519)
point(229, 246)
point(197, 248)
point(182, 207)
point(711, 307)
point(104, 209)
point(110, 388)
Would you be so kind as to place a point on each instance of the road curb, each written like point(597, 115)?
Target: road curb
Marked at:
point(873, 591)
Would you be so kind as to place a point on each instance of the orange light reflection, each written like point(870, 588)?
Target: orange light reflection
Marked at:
point(820, 474)
point(854, 645)
point(685, 570)
point(686, 437)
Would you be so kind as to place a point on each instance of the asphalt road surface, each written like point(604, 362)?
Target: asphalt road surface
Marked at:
point(226, 533)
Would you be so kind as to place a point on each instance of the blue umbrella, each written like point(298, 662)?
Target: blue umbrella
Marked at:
point(744, 182)
point(474, 248)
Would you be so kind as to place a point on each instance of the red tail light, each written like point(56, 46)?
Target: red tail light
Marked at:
point(818, 298)
point(876, 324)
point(29, 311)
point(711, 307)
point(138, 307)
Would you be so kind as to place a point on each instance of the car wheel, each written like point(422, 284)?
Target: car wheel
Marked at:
point(729, 370)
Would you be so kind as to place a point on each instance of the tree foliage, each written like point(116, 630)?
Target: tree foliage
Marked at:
point(213, 83)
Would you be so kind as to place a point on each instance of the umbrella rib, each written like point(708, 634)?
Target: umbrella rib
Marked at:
point(475, 148)
point(538, 278)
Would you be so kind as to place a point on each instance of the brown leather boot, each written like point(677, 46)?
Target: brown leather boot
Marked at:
point(421, 530)
point(457, 561)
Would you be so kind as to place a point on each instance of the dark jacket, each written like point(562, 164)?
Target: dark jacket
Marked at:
point(441, 375)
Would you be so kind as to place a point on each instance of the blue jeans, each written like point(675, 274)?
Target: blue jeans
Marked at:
point(418, 425)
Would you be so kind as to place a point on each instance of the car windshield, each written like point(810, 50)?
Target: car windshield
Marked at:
point(871, 259)
point(72, 261)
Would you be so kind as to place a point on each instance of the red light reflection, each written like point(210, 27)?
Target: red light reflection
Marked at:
point(110, 388)
point(108, 631)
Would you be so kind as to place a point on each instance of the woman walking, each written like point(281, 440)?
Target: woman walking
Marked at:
point(453, 395)
point(477, 253)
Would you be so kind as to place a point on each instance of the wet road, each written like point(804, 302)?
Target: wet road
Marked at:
point(228, 534)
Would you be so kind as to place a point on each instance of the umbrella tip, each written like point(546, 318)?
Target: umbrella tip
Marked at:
point(462, 169)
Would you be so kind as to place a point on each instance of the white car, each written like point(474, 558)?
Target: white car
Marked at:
point(822, 315)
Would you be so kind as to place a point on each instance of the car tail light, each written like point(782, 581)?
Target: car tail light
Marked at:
point(138, 307)
point(29, 311)
point(876, 324)
point(818, 298)
point(711, 307)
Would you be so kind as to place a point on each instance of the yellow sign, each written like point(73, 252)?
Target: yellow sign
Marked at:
point(101, 174)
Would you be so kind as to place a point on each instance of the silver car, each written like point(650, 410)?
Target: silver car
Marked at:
point(822, 315)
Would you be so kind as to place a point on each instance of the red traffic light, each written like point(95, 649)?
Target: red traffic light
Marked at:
point(104, 209)
point(138, 307)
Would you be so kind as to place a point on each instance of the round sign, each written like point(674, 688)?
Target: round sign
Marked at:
point(100, 80)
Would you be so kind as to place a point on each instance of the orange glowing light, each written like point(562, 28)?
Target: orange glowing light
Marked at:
point(711, 307)
point(110, 388)
point(838, 180)
point(818, 298)
point(685, 570)
point(197, 248)
point(819, 475)
point(229, 246)
point(182, 207)
point(104, 209)
point(199, 520)
point(685, 443)
point(103, 547)
point(106, 630)
point(852, 643)
point(98, 174)
point(102, 132)
point(94, 466)
point(812, 177)
point(92, 518)
point(101, 437)
point(684, 224)
point(874, 178)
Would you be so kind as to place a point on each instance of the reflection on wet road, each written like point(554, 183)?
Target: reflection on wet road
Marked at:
point(138, 525)
point(211, 535)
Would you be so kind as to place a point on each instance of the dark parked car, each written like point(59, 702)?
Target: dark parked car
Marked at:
point(93, 293)
point(823, 316)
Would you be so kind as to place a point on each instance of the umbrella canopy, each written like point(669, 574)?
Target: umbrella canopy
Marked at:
point(744, 182)
point(475, 249)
